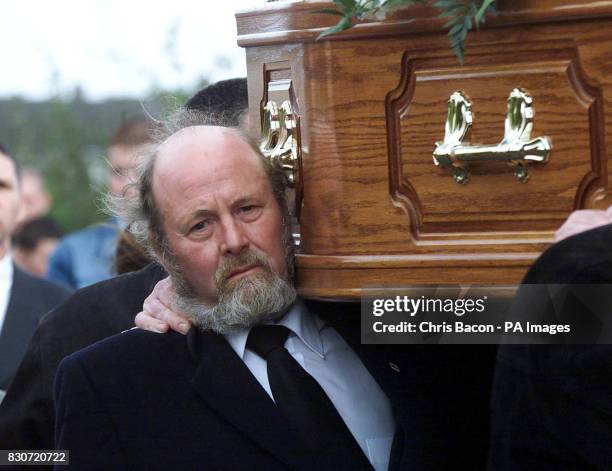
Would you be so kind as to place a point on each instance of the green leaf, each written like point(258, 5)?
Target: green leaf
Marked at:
point(444, 3)
point(450, 22)
point(460, 16)
point(343, 24)
point(479, 17)
point(329, 11)
point(467, 22)
point(393, 4)
point(472, 8)
point(455, 29)
point(455, 41)
point(457, 10)
point(347, 5)
point(460, 55)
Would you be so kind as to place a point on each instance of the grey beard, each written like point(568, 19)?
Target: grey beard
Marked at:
point(250, 301)
point(254, 300)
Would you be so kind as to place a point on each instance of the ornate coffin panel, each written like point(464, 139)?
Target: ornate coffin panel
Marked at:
point(494, 199)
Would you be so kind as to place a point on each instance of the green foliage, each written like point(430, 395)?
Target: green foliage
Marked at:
point(65, 139)
point(64, 169)
point(460, 16)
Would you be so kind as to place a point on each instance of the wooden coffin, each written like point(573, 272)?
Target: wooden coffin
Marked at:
point(368, 107)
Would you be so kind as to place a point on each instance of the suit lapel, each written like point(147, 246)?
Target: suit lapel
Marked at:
point(224, 382)
point(19, 324)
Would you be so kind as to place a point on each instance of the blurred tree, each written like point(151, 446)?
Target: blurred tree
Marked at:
point(64, 168)
point(65, 138)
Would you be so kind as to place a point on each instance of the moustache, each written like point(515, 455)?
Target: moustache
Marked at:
point(231, 263)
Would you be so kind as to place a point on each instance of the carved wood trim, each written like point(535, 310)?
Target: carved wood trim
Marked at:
point(594, 186)
point(344, 277)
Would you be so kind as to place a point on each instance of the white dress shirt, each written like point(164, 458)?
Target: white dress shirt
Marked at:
point(324, 354)
point(6, 283)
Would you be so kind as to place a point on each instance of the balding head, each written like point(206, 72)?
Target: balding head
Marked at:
point(200, 155)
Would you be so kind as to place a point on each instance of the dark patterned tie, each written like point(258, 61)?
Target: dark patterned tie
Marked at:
point(304, 403)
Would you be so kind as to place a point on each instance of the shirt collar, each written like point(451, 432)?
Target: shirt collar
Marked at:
point(299, 320)
point(6, 269)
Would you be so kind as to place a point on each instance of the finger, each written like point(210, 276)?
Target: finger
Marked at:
point(155, 307)
point(177, 321)
point(152, 307)
point(157, 310)
point(149, 323)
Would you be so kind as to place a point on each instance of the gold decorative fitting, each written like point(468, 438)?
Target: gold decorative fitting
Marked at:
point(279, 138)
point(516, 148)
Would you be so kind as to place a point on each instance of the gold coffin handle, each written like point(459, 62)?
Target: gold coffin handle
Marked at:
point(279, 141)
point(517, 148)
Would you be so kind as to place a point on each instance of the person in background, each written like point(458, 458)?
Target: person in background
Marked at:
point(86, 256)
point(36, 200)
point(227, 99)
point(552, 404)
point(33, 243)
point(130, 256)
point(23, 297)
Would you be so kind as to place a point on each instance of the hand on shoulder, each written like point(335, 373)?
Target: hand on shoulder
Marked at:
point(159, 312)
point(583, 220)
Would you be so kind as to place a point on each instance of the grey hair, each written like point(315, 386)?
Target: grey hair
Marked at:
point(136, 207)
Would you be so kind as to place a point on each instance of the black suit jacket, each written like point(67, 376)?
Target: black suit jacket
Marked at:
point(552, 404)
point(29, 300)
point(147, 401)
point(27, 413)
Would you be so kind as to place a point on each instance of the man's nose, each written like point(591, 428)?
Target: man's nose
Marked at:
point(233, 237)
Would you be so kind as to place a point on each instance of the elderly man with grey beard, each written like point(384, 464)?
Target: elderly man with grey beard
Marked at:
point(267, 380)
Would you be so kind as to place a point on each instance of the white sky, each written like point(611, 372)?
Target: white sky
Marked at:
point(116, 48)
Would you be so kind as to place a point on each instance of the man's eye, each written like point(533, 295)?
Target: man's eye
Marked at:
point(249, 212)
point(200, 226)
